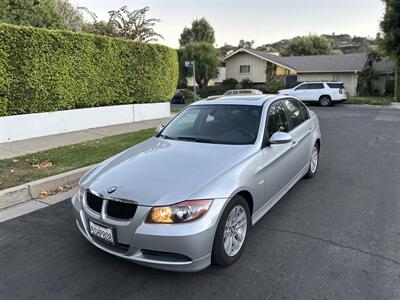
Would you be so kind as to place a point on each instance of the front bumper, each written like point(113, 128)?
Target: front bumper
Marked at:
point(173, 247)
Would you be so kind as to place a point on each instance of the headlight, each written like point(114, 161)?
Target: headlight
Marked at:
point(181, 212)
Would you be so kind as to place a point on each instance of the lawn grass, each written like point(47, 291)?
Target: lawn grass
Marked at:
point(20, 170)
point(370, 100)
point(176, 109)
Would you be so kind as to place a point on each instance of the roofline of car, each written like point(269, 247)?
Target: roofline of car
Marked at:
point(264, 99)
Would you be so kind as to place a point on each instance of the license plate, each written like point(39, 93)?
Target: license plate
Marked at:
point(101, 232)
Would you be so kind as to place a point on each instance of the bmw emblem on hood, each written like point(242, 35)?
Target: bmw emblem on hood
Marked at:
point(112, 189)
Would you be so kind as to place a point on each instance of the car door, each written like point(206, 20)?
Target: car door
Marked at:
point(300, 92)
point(314, 92)
point(277, 159)
point(300, 131)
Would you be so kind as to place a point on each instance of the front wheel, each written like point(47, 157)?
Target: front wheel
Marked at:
point(314, 160)
point(230, 237)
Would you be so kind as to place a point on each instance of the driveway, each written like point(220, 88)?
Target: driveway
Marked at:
point(336, 236)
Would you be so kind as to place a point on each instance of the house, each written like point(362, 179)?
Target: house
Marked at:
point(259, 67)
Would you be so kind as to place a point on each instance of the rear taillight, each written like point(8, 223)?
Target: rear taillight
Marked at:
point(342, 91)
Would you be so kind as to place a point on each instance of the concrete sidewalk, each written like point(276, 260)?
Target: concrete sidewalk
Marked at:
point(13, 149)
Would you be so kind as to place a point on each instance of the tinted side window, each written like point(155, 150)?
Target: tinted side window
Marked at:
point(335, 85)
point(294, 113)
point(304, 111)
point(277, 119)
point(245, 92)
point(302, 87)
point(316, 86)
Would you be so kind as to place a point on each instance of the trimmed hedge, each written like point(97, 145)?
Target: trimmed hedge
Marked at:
point(48, 70)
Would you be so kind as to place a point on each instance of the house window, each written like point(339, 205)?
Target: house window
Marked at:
point(244, 69)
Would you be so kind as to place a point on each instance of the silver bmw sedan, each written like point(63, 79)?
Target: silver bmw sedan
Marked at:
point(188, 196)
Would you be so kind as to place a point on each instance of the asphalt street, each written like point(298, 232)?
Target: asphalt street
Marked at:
point(336, 236)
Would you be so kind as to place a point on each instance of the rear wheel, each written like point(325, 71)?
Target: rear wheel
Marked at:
point(314, 160)
point(230, 237)
point(325, 101)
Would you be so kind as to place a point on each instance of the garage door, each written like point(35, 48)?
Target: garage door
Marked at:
point(349, 81)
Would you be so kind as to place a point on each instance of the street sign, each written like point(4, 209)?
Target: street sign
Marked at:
point(188, 63)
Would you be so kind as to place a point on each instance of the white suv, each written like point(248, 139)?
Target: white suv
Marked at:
point(326, 93)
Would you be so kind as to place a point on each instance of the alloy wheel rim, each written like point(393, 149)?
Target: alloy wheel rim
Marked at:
point(325, 101)
point(235, 230)
point(314, 159)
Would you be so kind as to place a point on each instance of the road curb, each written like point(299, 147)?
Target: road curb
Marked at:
point(31, 190)
point(394, 105)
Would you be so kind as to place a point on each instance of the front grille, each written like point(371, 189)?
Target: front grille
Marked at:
point(94, 202)
point(121, 210)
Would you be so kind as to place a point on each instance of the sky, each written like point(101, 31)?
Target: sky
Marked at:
point(262, 21)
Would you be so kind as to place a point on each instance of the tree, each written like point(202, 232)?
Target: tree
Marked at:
point(58, 14)
point(245, 44)
point(31, 13)
point(101, 28)
point(225, 49)
point(206, 58)
point(265, 48)
point(71, 17)
point(390, 41)
point(308, 45)
point(126, 24)
point(201, 31)
point(368, 75)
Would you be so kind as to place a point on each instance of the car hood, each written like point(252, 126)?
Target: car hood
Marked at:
point(284, 91)
point(159, 171)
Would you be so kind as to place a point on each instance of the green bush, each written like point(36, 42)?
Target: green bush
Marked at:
point(4, 82)
point(188, 94)
point(212, 90)
point(274, 86)
point(229, 83)
point(246, 84)
point(49, 70)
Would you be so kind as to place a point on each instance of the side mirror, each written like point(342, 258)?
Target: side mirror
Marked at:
point(280, 138)
point(159, 128)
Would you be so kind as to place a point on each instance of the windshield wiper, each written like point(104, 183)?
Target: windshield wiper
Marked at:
point(197, 139)
point(167, 137)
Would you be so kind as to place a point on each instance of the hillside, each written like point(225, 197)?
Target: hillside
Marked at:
point(342, 43)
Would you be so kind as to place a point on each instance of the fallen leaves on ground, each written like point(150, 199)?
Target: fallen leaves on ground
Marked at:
point(61, 189)
point(44, 164)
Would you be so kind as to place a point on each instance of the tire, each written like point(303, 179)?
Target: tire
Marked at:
point(312, 170)
point(220, 252)
point(325, 101)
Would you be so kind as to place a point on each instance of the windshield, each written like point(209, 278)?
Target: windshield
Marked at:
point(219, 124)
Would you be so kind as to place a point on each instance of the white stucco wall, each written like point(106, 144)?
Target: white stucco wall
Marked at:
point(21, 127)
point(257, 67)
